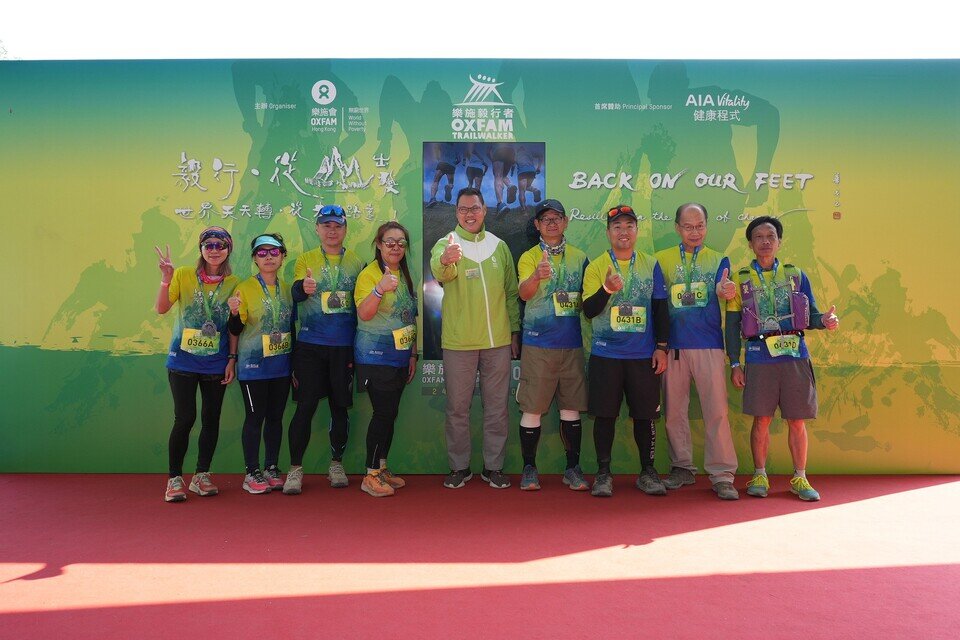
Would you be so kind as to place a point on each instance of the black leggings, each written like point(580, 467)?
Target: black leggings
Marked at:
point(183, 385)
point(322, 372)
point(385, 386)
point(644, 434)
point(264, 402)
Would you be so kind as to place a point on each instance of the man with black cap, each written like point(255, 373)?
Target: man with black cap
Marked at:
point(323, 359)
point(551, 363)
point(627, 302)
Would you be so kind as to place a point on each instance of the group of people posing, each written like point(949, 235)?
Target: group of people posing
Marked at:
point(652, 317)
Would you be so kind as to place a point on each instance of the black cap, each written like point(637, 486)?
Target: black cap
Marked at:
point(619, 211)
point(550, 204)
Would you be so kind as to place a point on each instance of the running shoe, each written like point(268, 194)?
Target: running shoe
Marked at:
point(376, 485)
point(337, 476)
point(574, 479)
point(758, 485)
point(726, 491)
point(678, 477)
point(801, 487)
point(175, 492)
point(530, 480)
point(391, 479)
point(202, 485)
point(272, 475)
point(254, 482)
point(649, 482)
point(511, 193)
point(294, 483)
point(602, 485)
point(456, 479)
point(495, 479)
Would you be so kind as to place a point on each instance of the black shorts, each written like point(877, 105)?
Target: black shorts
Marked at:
point(474, 172)
point(611, 378)
point(323, 371)
point(446, 168)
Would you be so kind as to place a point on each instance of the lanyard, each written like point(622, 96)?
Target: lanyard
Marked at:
point(275, 307)
point(626, 282)
point(207, 310)
point(688, 273)
point(333, 282)
point(768, 290)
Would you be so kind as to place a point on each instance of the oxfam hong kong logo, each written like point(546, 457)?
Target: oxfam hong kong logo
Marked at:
point(324, 92)
point(482, 87)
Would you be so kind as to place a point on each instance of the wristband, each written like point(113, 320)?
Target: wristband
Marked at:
point(231, 356)
point(734, 365)
point(164, 284)
point(607, 290)
point(377, 292)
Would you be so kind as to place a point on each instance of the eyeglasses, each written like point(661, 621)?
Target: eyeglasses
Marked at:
point(552, 221)
point(621, 209)
point(690, 228)
point(273, 253)
point(467, 210)
point(390, 243)
point(214, 246)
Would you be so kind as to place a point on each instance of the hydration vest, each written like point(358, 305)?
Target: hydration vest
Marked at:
point(751, 320)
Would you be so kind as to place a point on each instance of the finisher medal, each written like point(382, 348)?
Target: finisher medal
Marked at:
point(275, 337)
point(407, 317)
point(688, 299)
point(626, 310)
point(771, 324)
point(208, 329)
point(334, 300)
point(563, 296)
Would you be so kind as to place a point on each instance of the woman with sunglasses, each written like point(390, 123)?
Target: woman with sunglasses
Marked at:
point(385, 349)
point(261, 314)
point(201, 354)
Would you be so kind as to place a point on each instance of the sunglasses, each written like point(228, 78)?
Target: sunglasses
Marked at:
point(263, 253)
point(214, 246)
point(390, 243)
point(618, 210)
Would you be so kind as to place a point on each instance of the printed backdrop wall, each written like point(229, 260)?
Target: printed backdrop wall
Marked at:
point(100, 161)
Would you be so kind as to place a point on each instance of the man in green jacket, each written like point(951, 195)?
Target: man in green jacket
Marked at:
point(480, 332)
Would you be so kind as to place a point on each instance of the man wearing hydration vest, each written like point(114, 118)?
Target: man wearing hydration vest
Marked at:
point(772, 308)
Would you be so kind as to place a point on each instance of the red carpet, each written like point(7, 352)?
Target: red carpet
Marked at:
point(99, 556)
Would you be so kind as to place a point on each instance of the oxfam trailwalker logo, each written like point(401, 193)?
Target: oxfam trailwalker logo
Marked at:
point(483, 114)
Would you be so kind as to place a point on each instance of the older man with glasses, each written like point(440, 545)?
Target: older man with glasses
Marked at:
point(552, 364)
point(481, 324)
point(698, 278)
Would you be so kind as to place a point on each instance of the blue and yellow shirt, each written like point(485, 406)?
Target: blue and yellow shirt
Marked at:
point(624, 330)
point(695, 310)
point(329, 316)
point(196, 348)
point(387, 338)
point(267, 339)
point(551, 319)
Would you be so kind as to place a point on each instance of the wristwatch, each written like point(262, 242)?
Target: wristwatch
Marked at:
point(734, 365)
point(663, 347)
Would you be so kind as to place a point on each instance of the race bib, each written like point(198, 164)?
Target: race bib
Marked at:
point(276, 343)
point(628, 318)
point(194, 342)
point(783, 345)
point(566, 303)
point(472, 274)
point(695, 298)
point(335, 302)
point(404, 337)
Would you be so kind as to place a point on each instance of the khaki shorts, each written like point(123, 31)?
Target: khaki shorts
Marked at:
point(545, 373)
point(789, 384)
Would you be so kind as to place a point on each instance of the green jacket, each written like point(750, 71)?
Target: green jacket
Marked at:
point(480, 305)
